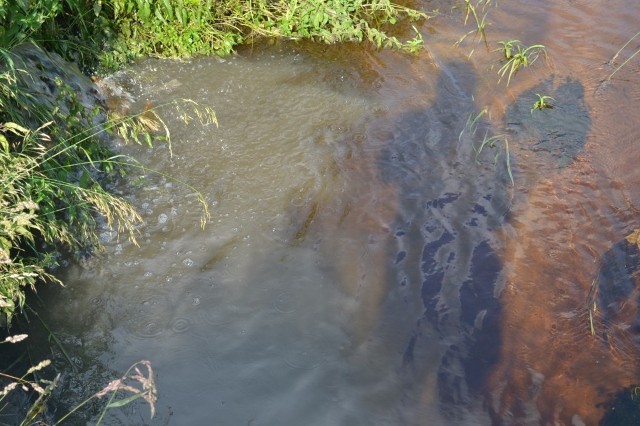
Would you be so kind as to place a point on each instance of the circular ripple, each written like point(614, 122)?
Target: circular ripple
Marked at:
point(216, 317)
point(146, 327)
point(180, 325)
point(306, 356)
point(285, 303)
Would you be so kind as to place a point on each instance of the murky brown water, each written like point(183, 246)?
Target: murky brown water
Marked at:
point(359, 266)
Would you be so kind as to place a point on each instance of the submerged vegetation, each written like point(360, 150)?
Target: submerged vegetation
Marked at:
point(475, 123)
point(478, 12)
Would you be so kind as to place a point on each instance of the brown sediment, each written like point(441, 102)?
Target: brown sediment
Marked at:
point(551, 365)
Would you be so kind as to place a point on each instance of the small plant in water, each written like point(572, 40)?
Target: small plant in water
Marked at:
point(478, 12)
point(518, 56)
point(491, 142)
point(138, 382)
point(135, 383)
point(415, 44)
point(543, 102)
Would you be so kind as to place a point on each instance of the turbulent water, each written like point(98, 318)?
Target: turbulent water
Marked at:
point(363, 264)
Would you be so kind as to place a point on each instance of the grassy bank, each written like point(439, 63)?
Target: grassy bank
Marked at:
point(106, 34)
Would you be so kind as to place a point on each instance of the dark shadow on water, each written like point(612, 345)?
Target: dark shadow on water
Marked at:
point(617, 298)
point(622, 408)
point(556, 135)
point(617, 277)
point(450, 209)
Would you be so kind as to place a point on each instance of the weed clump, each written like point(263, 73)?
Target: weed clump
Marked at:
point(107, 34)
point(183, 29)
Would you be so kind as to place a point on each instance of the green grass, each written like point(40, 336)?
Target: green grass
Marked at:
point(107, 34)
point(187, 28)
point(478, 12)
point(518, 56)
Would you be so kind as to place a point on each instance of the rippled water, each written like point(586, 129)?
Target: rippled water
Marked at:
point(360, 266)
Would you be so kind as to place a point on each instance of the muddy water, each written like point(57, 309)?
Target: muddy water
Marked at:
point(359, 265)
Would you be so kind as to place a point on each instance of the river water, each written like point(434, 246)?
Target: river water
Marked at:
point(362, 265)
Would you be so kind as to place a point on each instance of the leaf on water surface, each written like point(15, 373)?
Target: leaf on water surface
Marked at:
point(634, 238)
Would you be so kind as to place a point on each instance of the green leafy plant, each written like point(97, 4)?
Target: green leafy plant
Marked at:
point(543, 102)
point(188, 28)
point(112, 32)
point(415, 44)
point(518, 56)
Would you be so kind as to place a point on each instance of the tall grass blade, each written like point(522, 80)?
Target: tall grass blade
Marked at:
point(508, 160)
point(623, 64)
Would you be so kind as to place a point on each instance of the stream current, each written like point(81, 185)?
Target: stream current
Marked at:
point(362, 264)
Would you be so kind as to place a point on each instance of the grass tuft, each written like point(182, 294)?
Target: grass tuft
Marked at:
point(518, 56)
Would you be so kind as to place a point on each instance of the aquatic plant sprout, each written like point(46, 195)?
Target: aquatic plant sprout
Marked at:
point(518, 56)
point(543, 102)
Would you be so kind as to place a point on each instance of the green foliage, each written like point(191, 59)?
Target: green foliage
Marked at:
point(113, 32)
point(186, 28)
point(76, 29)
point(22, 19)
point(518, 56)
point(49, 197)
point(542, 103)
